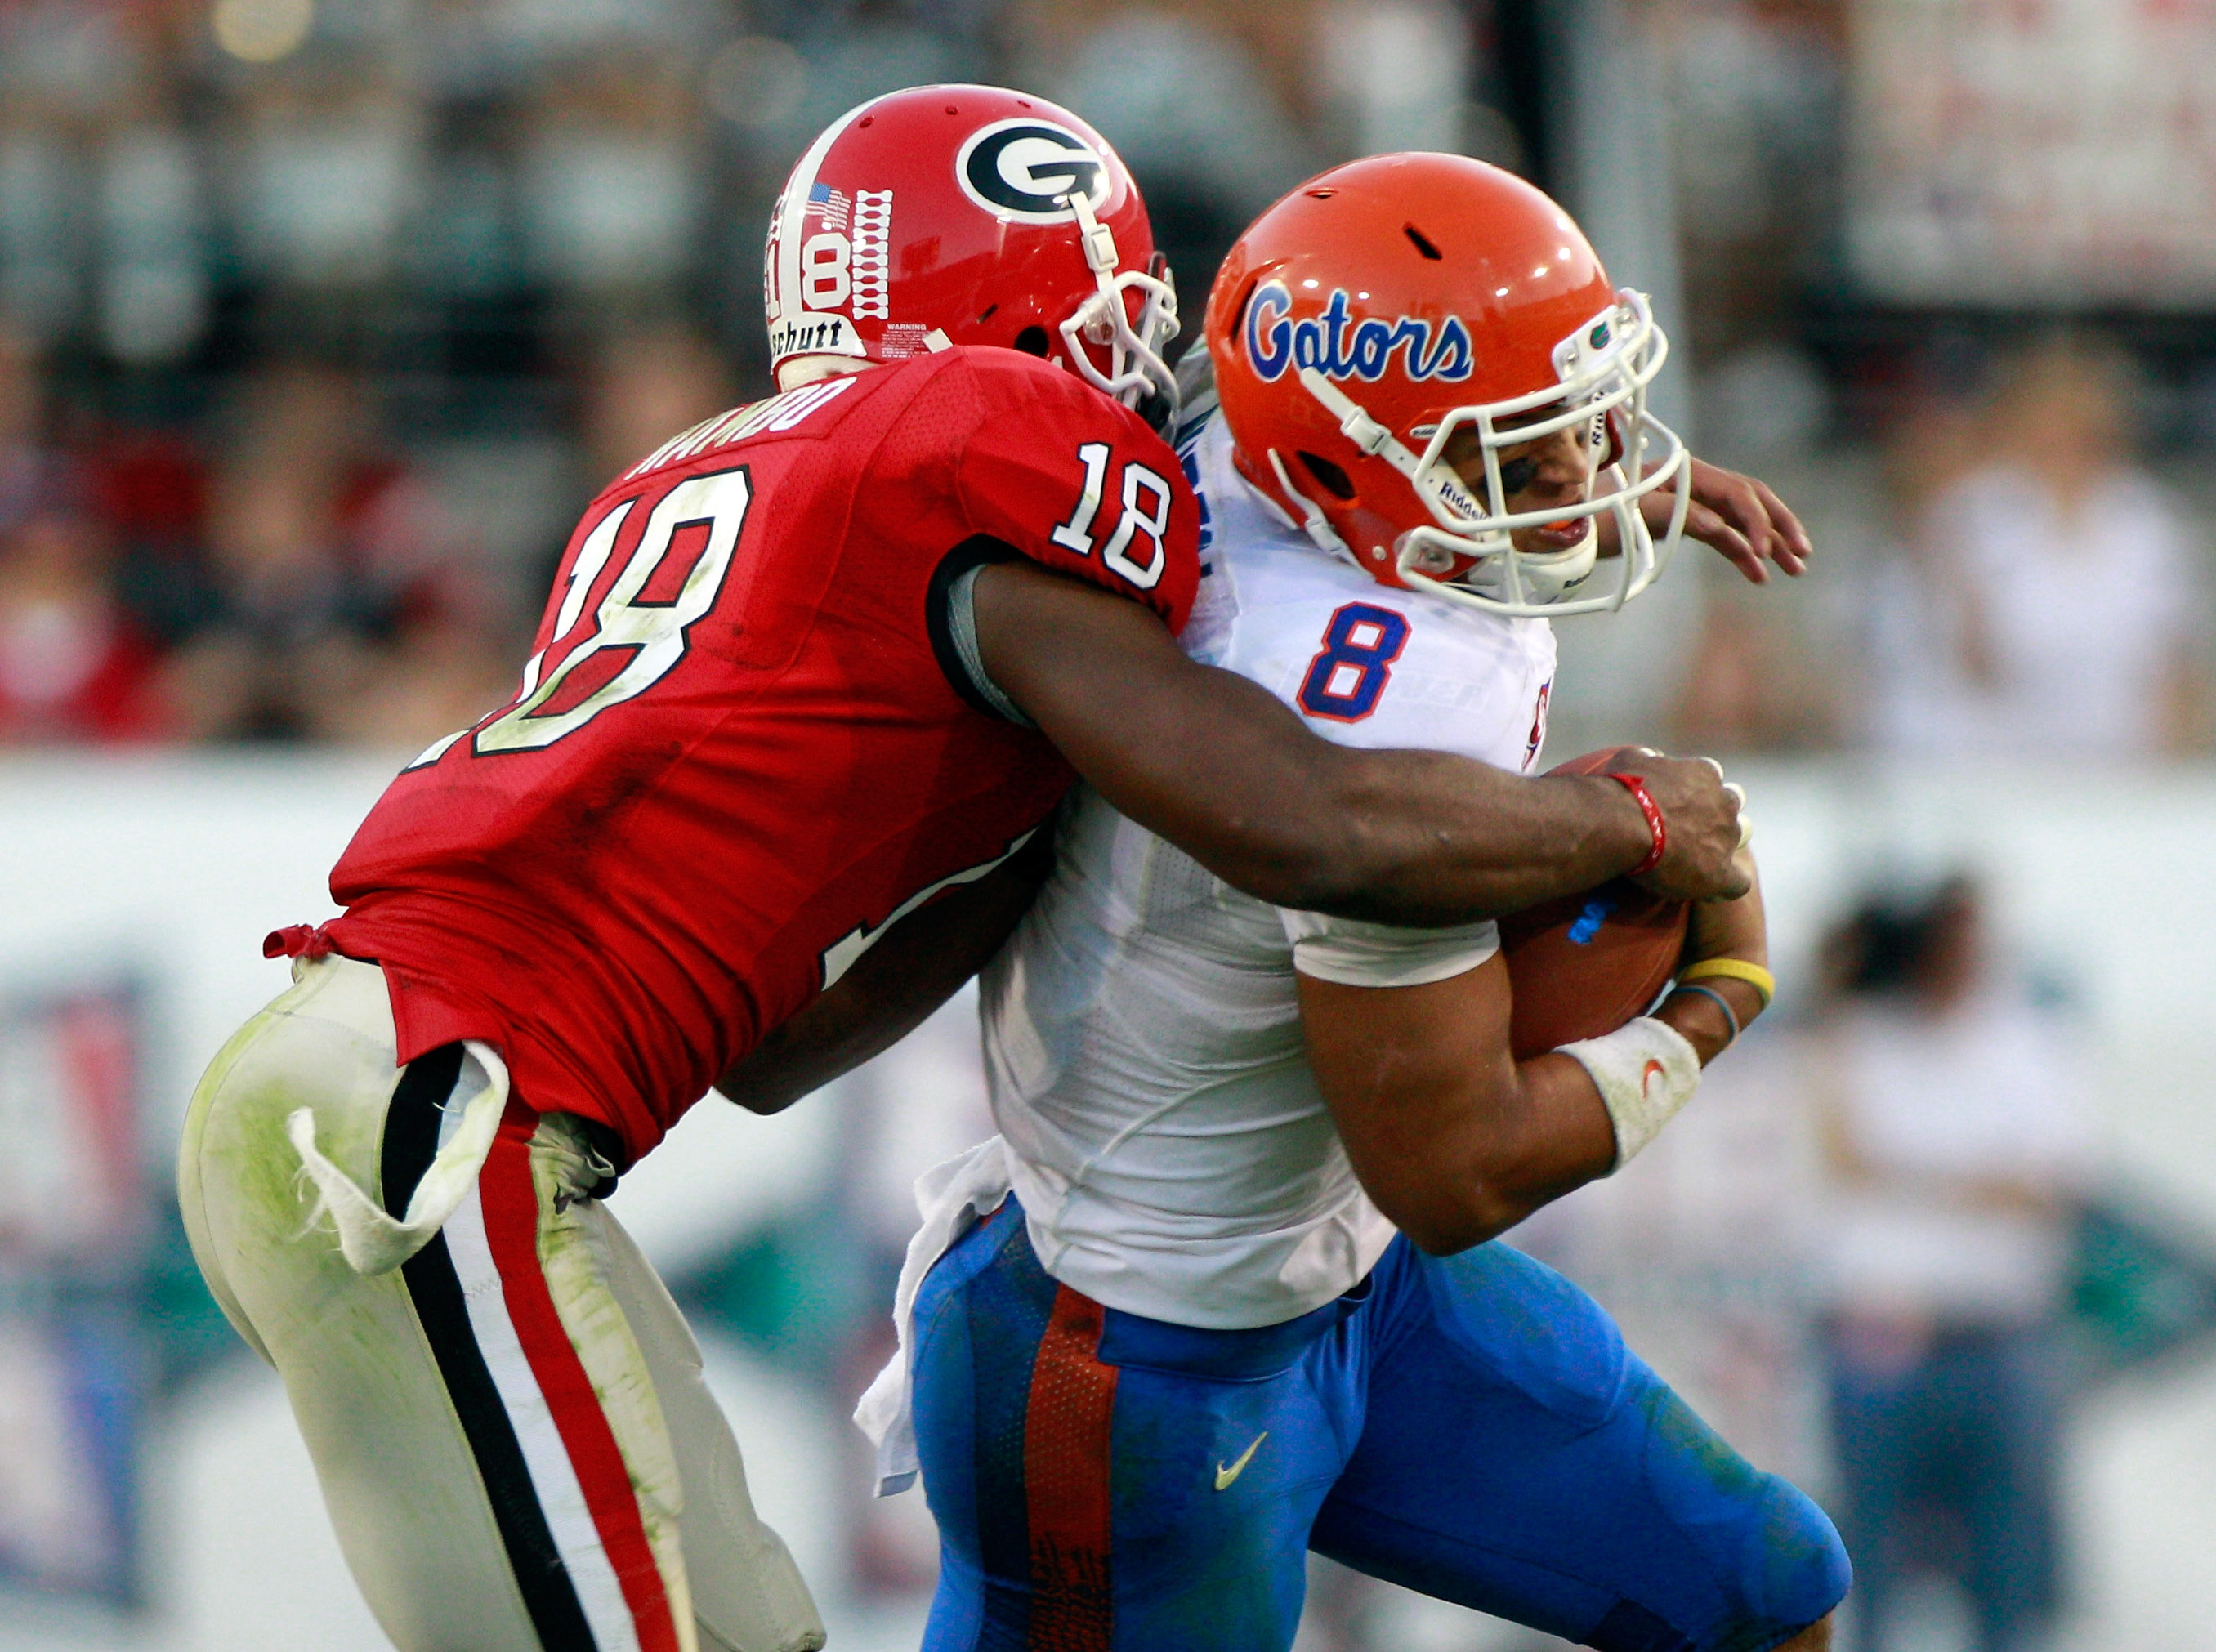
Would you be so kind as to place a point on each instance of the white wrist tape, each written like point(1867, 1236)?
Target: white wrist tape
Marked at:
point(1645, 1070)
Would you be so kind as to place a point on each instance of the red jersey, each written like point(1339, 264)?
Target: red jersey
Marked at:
point(737, 757)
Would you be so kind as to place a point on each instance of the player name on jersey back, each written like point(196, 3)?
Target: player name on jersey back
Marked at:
point(733, 749)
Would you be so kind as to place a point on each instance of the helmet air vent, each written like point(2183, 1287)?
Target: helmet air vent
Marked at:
point(1335, 481)
point(1423, 242)
point(1239, 316)
point(1032, 342)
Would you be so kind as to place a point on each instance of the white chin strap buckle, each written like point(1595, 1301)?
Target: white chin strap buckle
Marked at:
point(1137, 368)
point(1364, 431)
point(1313, 522)
point(1100, 240)
point(1355, 424)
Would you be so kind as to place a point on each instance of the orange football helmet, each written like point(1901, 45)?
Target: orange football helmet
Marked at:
point(1381, 307)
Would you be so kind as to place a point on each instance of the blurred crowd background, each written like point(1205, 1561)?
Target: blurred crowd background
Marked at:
point(320, 320)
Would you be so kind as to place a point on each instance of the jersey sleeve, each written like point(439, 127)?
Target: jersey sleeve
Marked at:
point(1356, 953)
point(1078, 483)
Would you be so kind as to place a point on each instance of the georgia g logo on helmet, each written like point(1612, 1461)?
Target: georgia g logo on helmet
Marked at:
point(1021, 168)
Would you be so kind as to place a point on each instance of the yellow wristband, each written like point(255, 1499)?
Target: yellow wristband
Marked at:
point(1736, 969)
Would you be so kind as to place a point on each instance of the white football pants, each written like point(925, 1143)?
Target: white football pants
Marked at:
point(510, 1427)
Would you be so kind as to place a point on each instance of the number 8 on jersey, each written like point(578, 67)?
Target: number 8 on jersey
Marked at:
point(1359, 647)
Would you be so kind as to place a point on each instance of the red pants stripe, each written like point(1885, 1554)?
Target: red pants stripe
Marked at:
point(1067, 1442)
point(511, 1220)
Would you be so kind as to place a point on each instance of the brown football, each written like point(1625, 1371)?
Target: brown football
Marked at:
point(1584, 965)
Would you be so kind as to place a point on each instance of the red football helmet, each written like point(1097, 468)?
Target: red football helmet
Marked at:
point(945, 215)
point(1381, 307)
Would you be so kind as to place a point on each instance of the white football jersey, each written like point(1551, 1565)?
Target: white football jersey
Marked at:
point(1143, 1038)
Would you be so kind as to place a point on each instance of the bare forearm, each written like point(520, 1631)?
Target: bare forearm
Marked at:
point(891, 990)
point(1455, 1140)
point(816, 1046)
point(1413, 837)
point(1546, 1135)
point(1547, 1132)
point(1221, 767)
point(1433, 839)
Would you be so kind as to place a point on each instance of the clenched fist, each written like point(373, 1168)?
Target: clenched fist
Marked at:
point(1700, 860)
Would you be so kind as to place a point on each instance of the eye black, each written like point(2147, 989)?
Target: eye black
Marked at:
point(1515, 475)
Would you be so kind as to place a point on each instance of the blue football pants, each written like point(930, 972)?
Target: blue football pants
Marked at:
point(1471, 1427)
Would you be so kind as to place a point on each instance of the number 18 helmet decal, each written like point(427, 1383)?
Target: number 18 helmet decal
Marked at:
point(1380, 309)
point(946, 215)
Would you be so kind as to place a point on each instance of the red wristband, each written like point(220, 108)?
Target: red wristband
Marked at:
point(1636, 785)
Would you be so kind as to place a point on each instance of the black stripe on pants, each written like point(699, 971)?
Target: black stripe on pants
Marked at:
point(411, 1141)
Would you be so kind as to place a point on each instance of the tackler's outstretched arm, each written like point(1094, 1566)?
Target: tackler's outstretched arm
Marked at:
point(920, 964)
point(1219, 767)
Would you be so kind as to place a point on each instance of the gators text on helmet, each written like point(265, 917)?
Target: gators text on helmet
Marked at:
point(1379, 308)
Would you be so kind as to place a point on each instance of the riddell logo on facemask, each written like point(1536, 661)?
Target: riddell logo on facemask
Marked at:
point(1339, 347)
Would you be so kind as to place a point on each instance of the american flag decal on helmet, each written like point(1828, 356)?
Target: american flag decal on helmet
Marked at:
point(829, 205)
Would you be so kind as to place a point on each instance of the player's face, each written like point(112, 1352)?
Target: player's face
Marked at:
point(1544, 473)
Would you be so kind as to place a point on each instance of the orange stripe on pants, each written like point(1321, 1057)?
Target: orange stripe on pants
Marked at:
point(1067, 1424)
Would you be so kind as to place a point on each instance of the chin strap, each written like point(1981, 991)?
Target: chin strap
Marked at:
point(1102, 319)
point(1098, 239)
point(1374, 439)
point(1312, 521)
point(1357, 427)
point(1377, 441)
